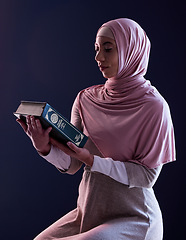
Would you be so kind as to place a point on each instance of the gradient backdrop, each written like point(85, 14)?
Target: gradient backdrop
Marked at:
point(47, 54)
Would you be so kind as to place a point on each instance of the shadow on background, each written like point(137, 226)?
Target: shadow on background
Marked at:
point(47, 54)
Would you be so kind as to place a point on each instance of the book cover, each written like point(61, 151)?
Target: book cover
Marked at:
point(62, 129)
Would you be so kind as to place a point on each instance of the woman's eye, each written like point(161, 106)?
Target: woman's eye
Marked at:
point(108, 49)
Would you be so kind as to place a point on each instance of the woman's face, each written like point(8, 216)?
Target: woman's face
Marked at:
point(106, 56)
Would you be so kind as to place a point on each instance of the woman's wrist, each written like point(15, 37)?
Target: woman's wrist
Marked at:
point(91, 160)
point(45, 151)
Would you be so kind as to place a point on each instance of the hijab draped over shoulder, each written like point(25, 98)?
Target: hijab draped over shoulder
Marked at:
point(127, 118)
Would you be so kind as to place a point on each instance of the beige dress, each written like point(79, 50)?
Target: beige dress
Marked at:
point(107, 209)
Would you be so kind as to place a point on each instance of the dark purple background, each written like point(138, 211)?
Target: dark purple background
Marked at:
point(47, 54)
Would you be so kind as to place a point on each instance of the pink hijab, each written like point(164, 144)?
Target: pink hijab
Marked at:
point(127, 118)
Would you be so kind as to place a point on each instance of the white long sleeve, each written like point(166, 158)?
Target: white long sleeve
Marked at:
point(111, 168)
point(58, 158)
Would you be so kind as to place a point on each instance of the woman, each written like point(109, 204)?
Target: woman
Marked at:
point(130, 137)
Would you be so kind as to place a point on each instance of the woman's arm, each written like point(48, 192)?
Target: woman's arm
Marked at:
point(141, 176)
point(77, 122)
point(69, 159)
point(128, 173)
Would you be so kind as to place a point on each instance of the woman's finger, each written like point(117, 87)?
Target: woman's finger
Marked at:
point(38, 125)
point(48, 130)
point(33, 122)
point(61, 146)
point(74, 147)
point(28, 121)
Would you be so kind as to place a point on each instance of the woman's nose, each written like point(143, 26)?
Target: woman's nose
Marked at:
point(100, 56)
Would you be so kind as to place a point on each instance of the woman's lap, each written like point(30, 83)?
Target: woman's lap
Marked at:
point(119, 229)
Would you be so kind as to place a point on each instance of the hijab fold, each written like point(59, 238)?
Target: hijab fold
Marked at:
point(127, 118)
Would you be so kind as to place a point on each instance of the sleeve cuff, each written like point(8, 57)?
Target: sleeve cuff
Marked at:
point(58, 158)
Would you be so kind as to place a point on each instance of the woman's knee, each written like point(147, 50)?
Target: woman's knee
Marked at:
point(43, 236)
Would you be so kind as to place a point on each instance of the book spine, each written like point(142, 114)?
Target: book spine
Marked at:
point(62, 125)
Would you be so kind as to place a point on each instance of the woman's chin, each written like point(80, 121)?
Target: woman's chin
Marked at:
point(108, 75)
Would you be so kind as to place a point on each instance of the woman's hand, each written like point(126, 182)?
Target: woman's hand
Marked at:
point(72, 150)
point(42, 142)
point(39, 136)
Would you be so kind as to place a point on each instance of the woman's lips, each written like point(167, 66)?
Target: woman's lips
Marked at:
point(102, 68)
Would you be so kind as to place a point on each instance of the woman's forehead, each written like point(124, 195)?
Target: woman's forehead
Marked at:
point(105, 32)
point(104, 40)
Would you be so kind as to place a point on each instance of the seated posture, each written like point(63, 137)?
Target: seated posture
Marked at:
point(130, 135)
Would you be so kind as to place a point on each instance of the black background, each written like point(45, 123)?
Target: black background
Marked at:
point(47, 54)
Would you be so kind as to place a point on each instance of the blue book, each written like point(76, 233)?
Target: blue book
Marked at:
point(62, 129)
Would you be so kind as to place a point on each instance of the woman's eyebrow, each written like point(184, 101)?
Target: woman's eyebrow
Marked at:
point(107, 43)
point(104, 43)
